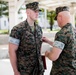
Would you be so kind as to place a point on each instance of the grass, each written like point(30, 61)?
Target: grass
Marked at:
point(4, 31)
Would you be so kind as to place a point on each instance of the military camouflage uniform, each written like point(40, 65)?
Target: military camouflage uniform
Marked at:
point(66, 63)
point(28, 53)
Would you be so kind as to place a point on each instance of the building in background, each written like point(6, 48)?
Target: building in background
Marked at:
point(4, 24)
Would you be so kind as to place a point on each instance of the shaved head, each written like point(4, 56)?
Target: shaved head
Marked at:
point(63, 18)
point(65, 14)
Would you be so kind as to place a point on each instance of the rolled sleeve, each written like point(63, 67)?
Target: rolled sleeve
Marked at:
point(60, 40)
point(14, 40)
point(59, 44)
point(15, 35)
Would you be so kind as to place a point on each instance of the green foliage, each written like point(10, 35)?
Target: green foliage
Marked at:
point(4, 8)
point(42, 10)
point(51, 15)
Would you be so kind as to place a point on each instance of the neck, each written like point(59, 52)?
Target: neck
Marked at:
point(64, 23)
point(30, 21)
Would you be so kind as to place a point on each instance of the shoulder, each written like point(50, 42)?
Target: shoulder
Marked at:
point(68, 28)
point(19, 26)
point(64, 30)
point(39, 28)
point(61, 35)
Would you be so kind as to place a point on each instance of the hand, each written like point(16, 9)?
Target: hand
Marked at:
point(17, 73)
point(47, 53)
point(44, 39)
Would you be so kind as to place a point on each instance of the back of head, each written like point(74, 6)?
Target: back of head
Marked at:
point(65, 15)
point(60, 9)
point(63, 18)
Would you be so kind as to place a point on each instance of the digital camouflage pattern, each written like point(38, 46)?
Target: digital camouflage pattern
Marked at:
point(66, 63)
point(34, 6)
point(26, 54)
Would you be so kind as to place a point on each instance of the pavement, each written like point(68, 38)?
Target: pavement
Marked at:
point(4, 39)
point(4, 46)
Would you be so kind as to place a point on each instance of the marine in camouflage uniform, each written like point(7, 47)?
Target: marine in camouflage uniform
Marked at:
point(26, 53)
point(66, 63)
point(28, 39)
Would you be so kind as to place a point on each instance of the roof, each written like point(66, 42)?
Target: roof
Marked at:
point(51, 4)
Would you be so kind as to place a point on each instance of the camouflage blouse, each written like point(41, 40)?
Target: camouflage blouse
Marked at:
point(29, 44)
point(66, 63)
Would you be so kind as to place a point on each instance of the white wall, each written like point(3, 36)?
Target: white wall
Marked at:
point(4, 23)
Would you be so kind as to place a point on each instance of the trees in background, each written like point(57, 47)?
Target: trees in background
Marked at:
point(4, 8)
point(50, 17)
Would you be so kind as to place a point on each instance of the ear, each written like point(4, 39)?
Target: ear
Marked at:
point(61, 17)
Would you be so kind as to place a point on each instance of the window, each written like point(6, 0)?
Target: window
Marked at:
point(4, 23)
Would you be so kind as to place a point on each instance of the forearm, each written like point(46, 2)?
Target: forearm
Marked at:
point(13, 60)
point(50, 42)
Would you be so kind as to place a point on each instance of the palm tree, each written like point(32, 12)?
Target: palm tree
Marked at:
point(4, 8)
point(51, 16)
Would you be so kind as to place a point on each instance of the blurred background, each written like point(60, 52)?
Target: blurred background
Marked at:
point(13, 12)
